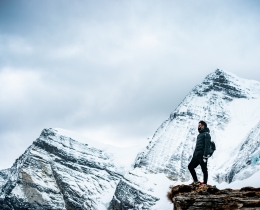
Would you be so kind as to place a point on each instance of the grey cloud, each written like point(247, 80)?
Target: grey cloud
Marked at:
point(113, 70)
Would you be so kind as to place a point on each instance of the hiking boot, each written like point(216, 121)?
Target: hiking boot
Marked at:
point(195, 183)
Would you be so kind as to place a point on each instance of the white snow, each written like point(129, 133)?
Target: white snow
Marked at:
point(244, 115)
point(252, 181)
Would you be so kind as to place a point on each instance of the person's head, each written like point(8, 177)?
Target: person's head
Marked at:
point(202, 125)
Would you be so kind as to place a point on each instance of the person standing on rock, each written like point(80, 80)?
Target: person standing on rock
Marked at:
point(201, 153)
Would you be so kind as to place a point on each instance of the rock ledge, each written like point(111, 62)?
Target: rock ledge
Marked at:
point(210, 198)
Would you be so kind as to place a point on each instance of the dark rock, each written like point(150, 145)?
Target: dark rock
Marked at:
point(221, 82)
point(188, 197)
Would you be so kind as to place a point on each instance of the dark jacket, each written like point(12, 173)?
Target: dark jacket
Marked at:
point(202, 144)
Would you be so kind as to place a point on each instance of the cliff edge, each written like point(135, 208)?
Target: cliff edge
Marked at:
point(189, 197)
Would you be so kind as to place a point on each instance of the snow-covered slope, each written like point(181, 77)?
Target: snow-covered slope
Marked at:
point(246, 162)
point(57, 172)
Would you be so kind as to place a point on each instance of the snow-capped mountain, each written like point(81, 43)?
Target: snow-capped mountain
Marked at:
point(230, 105)
point(57, 172)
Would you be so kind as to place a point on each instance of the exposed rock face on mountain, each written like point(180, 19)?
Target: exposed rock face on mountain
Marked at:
point(188, 197)
point(122, 199)
point(220, 81)
point(57, 172)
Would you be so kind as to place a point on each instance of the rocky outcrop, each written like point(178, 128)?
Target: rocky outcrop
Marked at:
point(189, 197)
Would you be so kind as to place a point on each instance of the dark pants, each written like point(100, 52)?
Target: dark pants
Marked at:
point(195, 161)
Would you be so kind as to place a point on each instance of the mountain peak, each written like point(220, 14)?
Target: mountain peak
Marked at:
point(222, 76)
point(222, 81)
point(221, 72)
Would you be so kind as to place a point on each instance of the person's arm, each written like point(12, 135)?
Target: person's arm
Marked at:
point(207, 145)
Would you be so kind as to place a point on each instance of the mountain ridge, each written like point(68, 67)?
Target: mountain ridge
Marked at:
point(56, 172)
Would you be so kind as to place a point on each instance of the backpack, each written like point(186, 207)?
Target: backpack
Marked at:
point(212, 148)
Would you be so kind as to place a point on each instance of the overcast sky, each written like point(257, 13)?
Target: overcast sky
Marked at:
point(113, 70)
